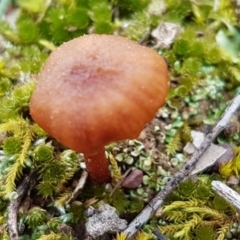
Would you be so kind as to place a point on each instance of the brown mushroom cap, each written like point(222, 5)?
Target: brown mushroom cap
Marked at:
point(97, 89)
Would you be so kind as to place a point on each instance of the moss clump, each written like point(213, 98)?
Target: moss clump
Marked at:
point(203, 67)
point(194, 210)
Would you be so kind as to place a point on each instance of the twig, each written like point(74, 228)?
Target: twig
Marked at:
point(79, 187)
point(14, 205)
point(227, 193)
point(120, 182)
point(157, 201)
point(159, 235)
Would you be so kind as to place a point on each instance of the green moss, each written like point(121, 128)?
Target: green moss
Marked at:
point(139, 26)
point(179, 10)
point(36, 216)
point(16, 103)
point(181, 47)
point(194, 210)
point(129, 6)
point(5, 85)
point(27, 31)
point(43, 153)
point(32, 6)
point(54, 172)
point(203, 66)
point(78, 18)
point(12, 145)
point(191, 66)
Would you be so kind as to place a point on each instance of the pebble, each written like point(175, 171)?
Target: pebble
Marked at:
point(133, 180)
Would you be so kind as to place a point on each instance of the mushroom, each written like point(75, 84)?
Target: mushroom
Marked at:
point(98, 89)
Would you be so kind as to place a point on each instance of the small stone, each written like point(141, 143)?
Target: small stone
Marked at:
point(65, 229)
point(189, 148)
point(226, 157)
point(159, 212)
point(133, 180)
point(105, 220)
point(208, 158)
point(233, 181)
point(197, 138)
point(165, 34)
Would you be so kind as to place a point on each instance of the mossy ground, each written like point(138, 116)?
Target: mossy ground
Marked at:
point(204, 67)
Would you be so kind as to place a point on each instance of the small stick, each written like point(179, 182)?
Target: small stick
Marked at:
point(14, 205)
point(227, 193)
point(159, 235)
point(183, 173)
point(81, 183)
point(120, 182)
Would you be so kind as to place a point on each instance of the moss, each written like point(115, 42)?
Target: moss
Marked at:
point(193, 207)
point(203, 67)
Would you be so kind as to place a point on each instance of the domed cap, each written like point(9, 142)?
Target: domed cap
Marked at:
point(97, 89)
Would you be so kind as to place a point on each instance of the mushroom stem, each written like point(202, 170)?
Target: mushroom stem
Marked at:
point(98, 167)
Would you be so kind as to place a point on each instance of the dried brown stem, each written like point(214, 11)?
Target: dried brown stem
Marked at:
point(14, 205)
